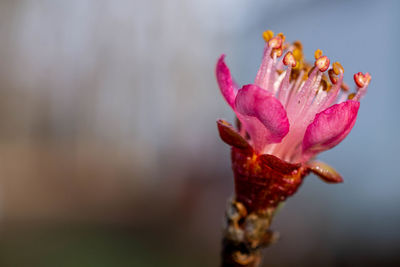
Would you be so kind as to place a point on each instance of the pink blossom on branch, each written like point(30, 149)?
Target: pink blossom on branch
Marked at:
point(292, 112)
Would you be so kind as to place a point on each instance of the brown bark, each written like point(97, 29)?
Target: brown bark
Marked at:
point(245, 234)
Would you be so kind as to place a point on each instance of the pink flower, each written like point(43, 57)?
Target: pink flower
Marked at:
point(291, 112)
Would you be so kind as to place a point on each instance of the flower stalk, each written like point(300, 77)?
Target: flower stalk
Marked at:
point(245, 235)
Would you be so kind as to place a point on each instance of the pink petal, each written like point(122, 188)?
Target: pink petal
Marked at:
point(225, 82)
point(329, 128)
point(263, 116)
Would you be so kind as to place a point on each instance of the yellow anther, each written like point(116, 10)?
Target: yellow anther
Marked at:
point(267, 35)
point(298, 55)
point(283, 37)
point(329, 87)
point(299, 65)
point(318, 53)
point(298, 45)
point(326, 85)
point(337, 68)
point(351, 96)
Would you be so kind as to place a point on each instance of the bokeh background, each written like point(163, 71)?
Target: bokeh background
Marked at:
point(109, 153)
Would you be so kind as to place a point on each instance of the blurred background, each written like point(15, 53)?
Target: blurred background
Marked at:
point(109, 153)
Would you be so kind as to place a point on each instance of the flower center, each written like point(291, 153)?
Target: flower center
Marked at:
point(303, 89)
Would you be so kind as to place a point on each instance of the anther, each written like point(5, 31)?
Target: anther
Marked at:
point(298, 55)
point(318, 54)
point(337, 68)
point(351, 96)
point(325, 85)
point(283, 37)
point(332, 76)
point(267, 35)
point(322, 63)
point(275, 42)
point(289, 59)
point(298, 45)
point(277, 52)
point(294, 74)
point(361, 79)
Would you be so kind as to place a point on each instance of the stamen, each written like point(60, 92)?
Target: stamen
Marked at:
point(303, 89)
point(332, 76)
point(277, 52)
point(361, 79)
point(298, 54)
point(295, 74)
point(351, 96)
point(326, 86)
point(267, 35)
point(334, 92)
point(337, 68)
point(307, 69)
point(275, 42)
point(345, 87)
point(318, 54)
point(310, 70)
point(322, 63)
point(284, 89)
point(289, 59)
point(283, 37)
point(263, 75)
point(298, 45)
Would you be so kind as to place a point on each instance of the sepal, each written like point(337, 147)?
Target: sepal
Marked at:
point(230, 136)
point(327, 173)
point(277, 164)
point(264, 181)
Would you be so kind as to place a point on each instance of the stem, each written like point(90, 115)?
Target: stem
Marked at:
point(245, 234)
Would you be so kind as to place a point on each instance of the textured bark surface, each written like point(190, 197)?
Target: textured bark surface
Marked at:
point(245, 234)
